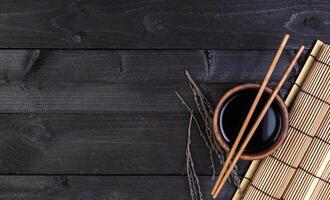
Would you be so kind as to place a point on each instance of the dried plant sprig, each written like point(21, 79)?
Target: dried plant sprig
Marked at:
point(206, 111)
point(195, 189)
point(194, 186)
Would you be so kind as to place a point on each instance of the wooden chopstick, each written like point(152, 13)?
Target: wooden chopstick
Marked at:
point(256, 124)
point(251, 111)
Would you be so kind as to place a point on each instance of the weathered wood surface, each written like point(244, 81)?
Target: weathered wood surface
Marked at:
point(121, 81)
point(101, 187)
point(164, 24)
point(87, 97)
point(98, 144)
point(138, 66)
point(109, 119)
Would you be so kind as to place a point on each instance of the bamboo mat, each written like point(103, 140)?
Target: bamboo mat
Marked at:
point(300, 169)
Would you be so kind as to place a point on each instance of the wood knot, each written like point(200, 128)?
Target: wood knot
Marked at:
point(58, 184)
point(77, 38)
point(312, 22)
point(34, 132)
point(62, 181)
point(152, 24)
point(308, 22)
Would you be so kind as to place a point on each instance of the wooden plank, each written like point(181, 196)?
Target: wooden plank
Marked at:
point(161, 24)
point(99, 144)
point(103, 98)
point(102, 187)
point(107, 81)
point(138, 66)
point(99, 98)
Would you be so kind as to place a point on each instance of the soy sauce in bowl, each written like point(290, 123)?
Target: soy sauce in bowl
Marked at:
point(234, 112)
point(231, 112)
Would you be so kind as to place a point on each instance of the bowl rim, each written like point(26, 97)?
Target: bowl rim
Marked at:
point(279, 140)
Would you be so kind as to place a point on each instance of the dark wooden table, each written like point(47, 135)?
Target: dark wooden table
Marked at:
point(88, 109)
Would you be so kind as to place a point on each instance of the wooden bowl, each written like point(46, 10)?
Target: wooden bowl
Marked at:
point(278, 105)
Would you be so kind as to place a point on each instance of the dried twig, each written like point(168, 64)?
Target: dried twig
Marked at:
point(206, 111)
point(194, 186)
point(195, 189)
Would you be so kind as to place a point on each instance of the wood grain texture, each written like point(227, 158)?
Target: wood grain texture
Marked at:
point(78, 120)
point(166, 24)
point(91, 98)
point(101, 187)
point(138, 66)
point(86, 98)
point(120, 81)
point(100, 112)
point(98, 144)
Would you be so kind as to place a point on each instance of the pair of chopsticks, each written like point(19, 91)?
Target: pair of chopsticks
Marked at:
point(230, 161)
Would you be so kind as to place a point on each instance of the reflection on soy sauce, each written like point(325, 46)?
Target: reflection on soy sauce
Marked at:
point(234, 112)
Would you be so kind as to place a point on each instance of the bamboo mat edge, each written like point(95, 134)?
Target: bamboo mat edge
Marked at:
point(288, 101)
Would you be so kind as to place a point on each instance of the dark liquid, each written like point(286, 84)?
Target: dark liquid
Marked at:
point(234, 112)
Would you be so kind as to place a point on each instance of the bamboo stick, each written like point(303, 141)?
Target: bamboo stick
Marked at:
point(256, 124)
point(251, 111)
